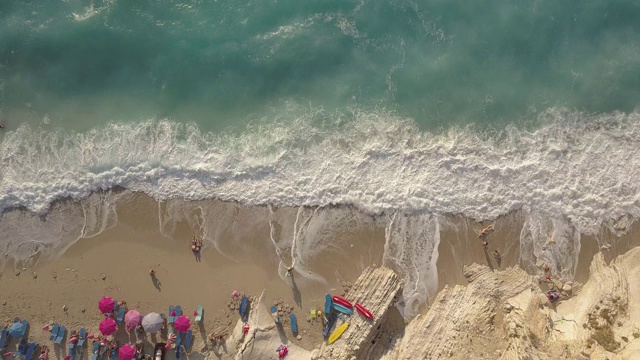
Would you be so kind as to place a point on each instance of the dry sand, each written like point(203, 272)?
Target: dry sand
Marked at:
point(116, 263)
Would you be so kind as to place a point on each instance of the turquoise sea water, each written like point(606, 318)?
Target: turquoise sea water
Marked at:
point(408, 110)
point(80, 64)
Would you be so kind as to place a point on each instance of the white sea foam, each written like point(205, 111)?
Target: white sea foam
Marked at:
point(576, 167)
point(572, 174)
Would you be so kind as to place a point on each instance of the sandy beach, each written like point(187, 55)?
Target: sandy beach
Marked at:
point(117, 262)
point(240, 254)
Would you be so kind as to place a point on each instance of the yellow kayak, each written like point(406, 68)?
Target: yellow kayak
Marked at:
point(336, 334)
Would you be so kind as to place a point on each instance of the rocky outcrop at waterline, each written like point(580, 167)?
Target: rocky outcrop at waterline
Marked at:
point(376, 289)
point(498, 315)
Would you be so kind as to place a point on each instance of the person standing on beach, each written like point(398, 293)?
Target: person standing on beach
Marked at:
point(484, 233)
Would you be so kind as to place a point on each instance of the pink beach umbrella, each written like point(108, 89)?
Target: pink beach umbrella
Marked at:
point(108, 326)
point(126, 352)
point(182, 323)
point(132, 318)
point(106, 305)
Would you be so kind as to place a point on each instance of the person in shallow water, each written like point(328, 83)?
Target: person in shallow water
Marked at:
point(486, 231)
point(196, 244)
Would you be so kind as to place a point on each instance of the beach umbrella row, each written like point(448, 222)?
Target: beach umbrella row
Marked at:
point(151, 323)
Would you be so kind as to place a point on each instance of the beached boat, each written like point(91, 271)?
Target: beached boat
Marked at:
point(342, 301)
point(342, 309)
point(364, 312)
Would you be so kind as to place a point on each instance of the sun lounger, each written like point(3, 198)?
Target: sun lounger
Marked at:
point(178, 310)
point(120, 318)
point(3, 339)
point(178, 353)
point(25, 325)
point(72, 350)
point(22, 348)
point(114, 354)
point(54, 331)
point(187, 340)
point(96, 349)
point(178, 340)
point(82, 337)
point(172, 318)
point(30, 349)
point(199, 313)
point(61, 333)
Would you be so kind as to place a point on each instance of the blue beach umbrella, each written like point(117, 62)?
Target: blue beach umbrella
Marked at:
point(16, 330)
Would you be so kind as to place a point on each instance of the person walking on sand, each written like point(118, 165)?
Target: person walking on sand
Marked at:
point(496, 254)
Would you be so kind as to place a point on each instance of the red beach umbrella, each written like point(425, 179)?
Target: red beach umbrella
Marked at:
point(182, 323)
point(126, 352)
point(106, 305)
point(108, 326)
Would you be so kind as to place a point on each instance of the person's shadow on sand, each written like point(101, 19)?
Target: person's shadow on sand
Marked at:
point(488, 258)
point(156, 282)
point(297, 296)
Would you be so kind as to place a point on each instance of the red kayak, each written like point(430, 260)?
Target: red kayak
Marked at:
point(342, 301)
point(363, 311)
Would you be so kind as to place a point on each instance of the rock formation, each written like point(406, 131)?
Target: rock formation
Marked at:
point(376, 289)
point(497, 315)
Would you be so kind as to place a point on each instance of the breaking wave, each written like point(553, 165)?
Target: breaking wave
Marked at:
point(572, 174)
point(574, 166)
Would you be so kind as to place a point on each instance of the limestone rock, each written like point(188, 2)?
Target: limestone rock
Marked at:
point(375, 289)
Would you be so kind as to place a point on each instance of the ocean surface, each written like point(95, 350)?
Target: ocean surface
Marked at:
point(408, 111)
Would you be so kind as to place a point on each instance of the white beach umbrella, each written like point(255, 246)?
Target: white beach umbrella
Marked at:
point(152, 322)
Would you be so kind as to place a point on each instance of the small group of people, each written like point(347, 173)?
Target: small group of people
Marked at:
point(484, 233)
point(483, 236)
point(196, 244)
